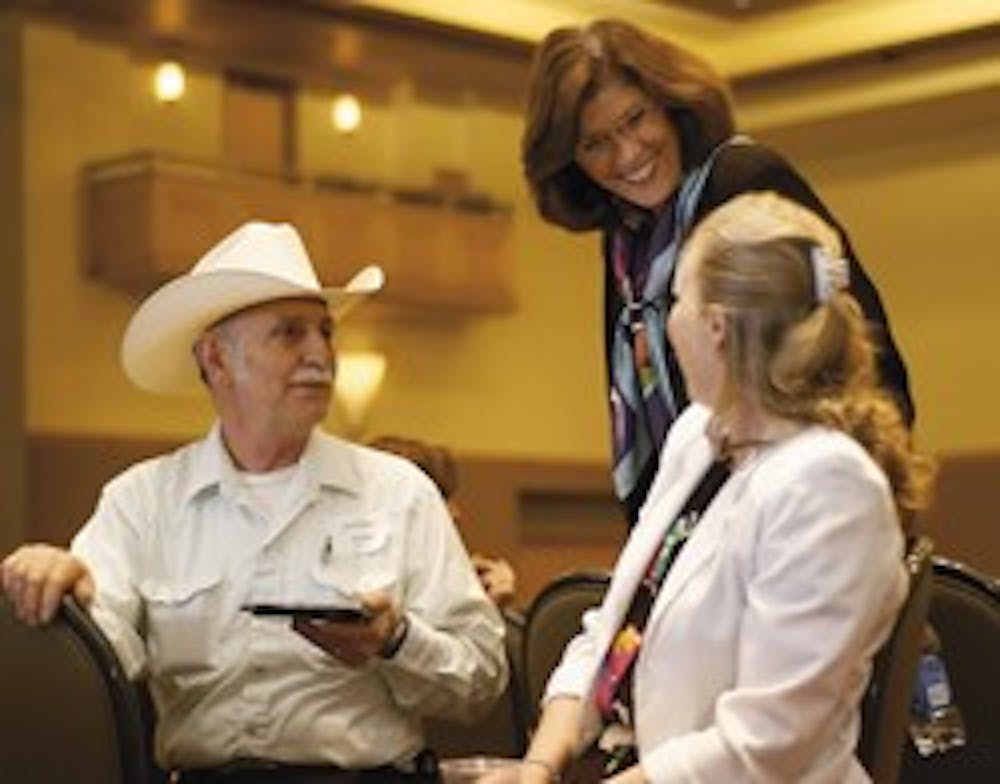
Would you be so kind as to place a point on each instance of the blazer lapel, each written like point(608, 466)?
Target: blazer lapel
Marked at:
point(664, 502)
point(698, 552)
point(657, 515)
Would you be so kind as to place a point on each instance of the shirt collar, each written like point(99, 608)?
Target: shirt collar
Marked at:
point(333, 462)
point(210, 464)
point(329, 462)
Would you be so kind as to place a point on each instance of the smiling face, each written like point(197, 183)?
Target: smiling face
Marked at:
point(271, 367)
point(628, 146)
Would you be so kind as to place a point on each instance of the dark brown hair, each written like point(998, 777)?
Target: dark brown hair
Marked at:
point(435, 461)
point(569, 67)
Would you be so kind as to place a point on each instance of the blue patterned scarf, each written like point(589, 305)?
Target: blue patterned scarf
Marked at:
point(645, 398)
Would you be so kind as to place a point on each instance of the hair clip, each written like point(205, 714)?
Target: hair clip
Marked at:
point(830, 274)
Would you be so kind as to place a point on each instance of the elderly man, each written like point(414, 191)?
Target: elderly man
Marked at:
point(267, 510)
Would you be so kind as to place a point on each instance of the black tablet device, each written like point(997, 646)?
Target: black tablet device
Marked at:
point(311, 612)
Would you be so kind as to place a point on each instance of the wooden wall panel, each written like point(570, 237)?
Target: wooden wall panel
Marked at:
point(519, 509)
point(13, 282)
point(148, 219)
point(964, 519)
point(545, 517)
point(65, 476)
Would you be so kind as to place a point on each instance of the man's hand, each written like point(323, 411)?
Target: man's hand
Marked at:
point(355, 643)
point(36, 576)
point(497, 578)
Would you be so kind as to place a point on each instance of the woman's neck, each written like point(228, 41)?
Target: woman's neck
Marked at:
point(636, 218)
point(739, 434)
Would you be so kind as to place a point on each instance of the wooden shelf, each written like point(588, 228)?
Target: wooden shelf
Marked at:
point(148, 219)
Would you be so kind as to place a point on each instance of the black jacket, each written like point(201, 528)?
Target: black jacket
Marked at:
point(743, 168)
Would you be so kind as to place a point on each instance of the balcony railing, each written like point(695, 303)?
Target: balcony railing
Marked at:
point(149, 217)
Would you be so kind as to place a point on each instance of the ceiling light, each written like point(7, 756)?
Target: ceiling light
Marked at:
point(356, 384)
point(169, 82)
point(346, 113)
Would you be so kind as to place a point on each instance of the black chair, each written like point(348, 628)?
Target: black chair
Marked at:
point(69, 714)
point(501, 732)
point(552, 620)
point(965, 614)
point(885, 709)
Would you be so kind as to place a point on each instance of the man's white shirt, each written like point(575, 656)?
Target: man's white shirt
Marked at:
point(179, 544)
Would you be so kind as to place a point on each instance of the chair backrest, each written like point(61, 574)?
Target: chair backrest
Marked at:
point(965, 614)
point(502, 731)
point(552, 620)
point(885, 710)
point(68, 711)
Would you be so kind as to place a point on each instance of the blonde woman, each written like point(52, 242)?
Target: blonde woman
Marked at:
point(736, 638)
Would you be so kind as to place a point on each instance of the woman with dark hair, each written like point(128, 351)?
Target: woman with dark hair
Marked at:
point(632, 136)
point(735, 641)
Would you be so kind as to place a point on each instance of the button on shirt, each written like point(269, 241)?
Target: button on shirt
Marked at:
point(178, 546)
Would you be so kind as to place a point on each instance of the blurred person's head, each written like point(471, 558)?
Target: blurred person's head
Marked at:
point(434, 460)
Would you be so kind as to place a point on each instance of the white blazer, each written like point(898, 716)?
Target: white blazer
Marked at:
point(758, 647)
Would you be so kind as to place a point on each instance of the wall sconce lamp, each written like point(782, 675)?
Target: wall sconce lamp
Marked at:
point(359, 378)
point(169, 82)
point(345, 113)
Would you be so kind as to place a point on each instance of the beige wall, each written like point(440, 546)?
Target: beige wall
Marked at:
point(917, 181)
point(919, 188)
point(82, 106)
point(917, 185)
point(486, 385)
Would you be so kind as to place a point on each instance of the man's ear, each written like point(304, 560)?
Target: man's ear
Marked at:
point(210, 354)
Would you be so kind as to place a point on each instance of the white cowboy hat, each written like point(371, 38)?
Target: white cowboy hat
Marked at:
point(258, 262)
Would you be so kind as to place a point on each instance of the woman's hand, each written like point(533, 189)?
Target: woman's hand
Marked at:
point(633, 775)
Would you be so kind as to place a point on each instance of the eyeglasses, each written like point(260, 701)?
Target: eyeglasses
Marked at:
point(597, 149)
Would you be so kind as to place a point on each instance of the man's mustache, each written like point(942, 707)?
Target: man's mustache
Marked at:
point(314, 376)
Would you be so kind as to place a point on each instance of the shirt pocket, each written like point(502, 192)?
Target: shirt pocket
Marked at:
point(184, 620)
point(353, 557)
